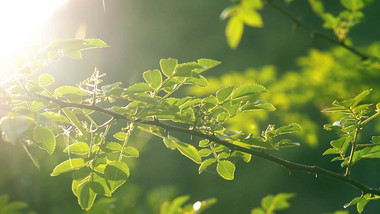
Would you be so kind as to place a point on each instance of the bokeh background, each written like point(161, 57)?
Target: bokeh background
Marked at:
point(139, 34)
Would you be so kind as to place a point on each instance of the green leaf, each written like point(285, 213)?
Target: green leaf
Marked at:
point(224, 93)
point(176, 204)
point(71, 116)
point(208, 63)
point(199, 81)
point(360, 97)
point(130, 151)
point(291, 128)
point(204, 143)
point(353, 4)
point(245, 156)
point(138, 88)
point(189, 151)
point(206, 163)
point(280, 201)
point(234, 31)
point(70, 93)
point(187, 69)
point(45, 80)
point(68, 165)
point(153, 78)
point(205, 152)
point(44, 138)
point(120, 136)
point(86, 196)
point(226, 169)
point(14, 127)
point(257, 211)
point(79, 148)
point(251, 18)
point(317, 6)
point(168, 66)
point(248, 90)
point(116, 173)
point(111, 147)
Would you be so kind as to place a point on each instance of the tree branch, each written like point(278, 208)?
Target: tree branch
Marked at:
point(258, 153)
point(315, 33)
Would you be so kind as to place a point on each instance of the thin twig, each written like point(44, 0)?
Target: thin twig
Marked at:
point(258, 153)
point(315, 33)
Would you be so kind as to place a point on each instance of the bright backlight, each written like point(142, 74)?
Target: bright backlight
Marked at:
point(21, 22)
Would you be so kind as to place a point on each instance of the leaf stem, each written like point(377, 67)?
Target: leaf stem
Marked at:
point(353, 149)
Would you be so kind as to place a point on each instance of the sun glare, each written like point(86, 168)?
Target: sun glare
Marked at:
point(21, 22)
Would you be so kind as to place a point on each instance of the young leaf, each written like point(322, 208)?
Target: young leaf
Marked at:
point(68, 165)
point(116, 173)
point(226, 169)
point(153, 78)
point(168, 66)
point(234, 31)
point(189, 151)
point(79, 148)
point(248, 90)
point(44, 138)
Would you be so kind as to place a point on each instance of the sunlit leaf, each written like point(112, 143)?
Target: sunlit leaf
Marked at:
point(206, 163)
point(116, 173)
point(14, 127)
point(45, 138)
point(130, 151)
point(45, 80)
point(226, 169)
point(168, 66)
point(86, 196)
point(234, 31)
point(79, 148)
point(138, 87)
point(189, 151)
point(68, 165)
point(153, 78)
point(248, 90)
point(224, 93)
